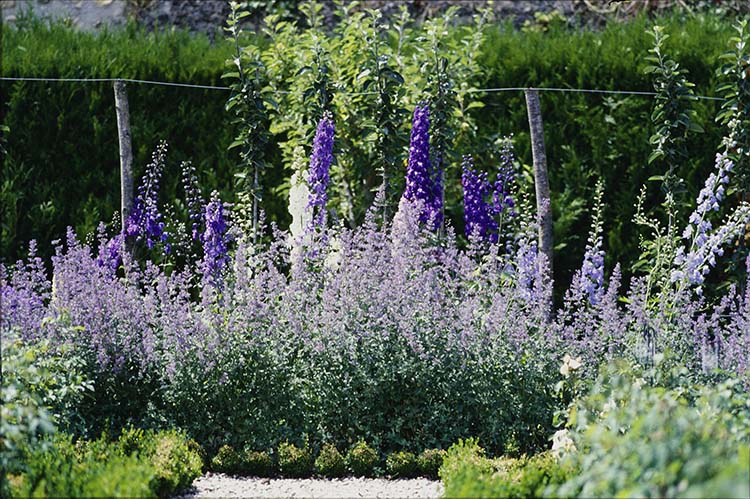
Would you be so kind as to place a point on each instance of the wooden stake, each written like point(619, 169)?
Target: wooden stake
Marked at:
point(541, 178)
point(126, 150)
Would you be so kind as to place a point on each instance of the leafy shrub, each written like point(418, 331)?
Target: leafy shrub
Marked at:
point(227, 460)
point(402, 464)
point(257, 463)
point(429, 462)
point(40, 392)
point(93, 469)
point(584, 132)
point(644, 433)
point(294, 461)
point(330, 462)
point(466, 472)
point(176, 462)
point(361, 459)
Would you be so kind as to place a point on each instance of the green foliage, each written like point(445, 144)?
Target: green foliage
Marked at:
point(93, 469)
point(429, 462)
point(257, 463)
point(72, 139)
point(248, 104)
point(294, 461)
point(330, 462)
point(734, 87)
point(466, 472)
point(227, 460)
point(361, 459)
point(40, 391)
point(140, 463)
point(654, 433)
point(176, 461)
point(401, 464)
point(587, 136)
point(672, 118)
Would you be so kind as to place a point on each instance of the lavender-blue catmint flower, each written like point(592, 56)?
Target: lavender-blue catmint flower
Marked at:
point(318, 174)
point(423, 183)
point(215, 241)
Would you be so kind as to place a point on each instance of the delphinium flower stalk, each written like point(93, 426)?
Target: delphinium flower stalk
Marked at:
point(484, 201)
point(696, 259)
point(318, 174)
point(193, 198)
point(215, 242)
point(591, 280)
point(478, 213)
point(145, 221)
point(423, 184)
point(110, 250)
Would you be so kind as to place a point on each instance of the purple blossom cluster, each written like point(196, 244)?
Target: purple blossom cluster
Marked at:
point(145, 222)
point(193, 199)
point(394, 314)
point(592, 271)
point(110, 250)
point(704, 244)
point(318, 174)
point(423, 182)
point(484, 201)
point(215, 242)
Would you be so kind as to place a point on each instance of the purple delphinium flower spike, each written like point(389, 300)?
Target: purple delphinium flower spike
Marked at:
point(319, 173)
point(485, 201)
point(193, 198)
point(145, 221)
point(478, 213)
point(423, 184)
point(592, 271)
point(703, 243)
point(215, 241)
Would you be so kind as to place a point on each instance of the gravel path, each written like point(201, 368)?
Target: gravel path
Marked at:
point(221, 485)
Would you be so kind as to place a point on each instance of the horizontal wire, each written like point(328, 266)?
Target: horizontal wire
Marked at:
point(472, 90)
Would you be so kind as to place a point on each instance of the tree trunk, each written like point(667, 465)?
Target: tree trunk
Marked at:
point(126, 151)
point(541, 179)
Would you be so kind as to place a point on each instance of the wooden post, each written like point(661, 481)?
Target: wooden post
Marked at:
point(126, 150)
point(541, 178)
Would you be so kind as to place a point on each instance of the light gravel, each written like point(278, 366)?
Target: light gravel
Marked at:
point(221, 485)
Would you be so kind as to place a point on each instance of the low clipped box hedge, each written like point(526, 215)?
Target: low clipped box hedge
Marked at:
point(468, 473)
point(227, 460)
point(429, 462)
point(330, 462)
point(294, 461)
point(257, 463)
point(402, 464)
point(361, 459)
point(138, 464)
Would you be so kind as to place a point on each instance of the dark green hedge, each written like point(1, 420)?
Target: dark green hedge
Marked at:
point(62, 155)
point(62, 158)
